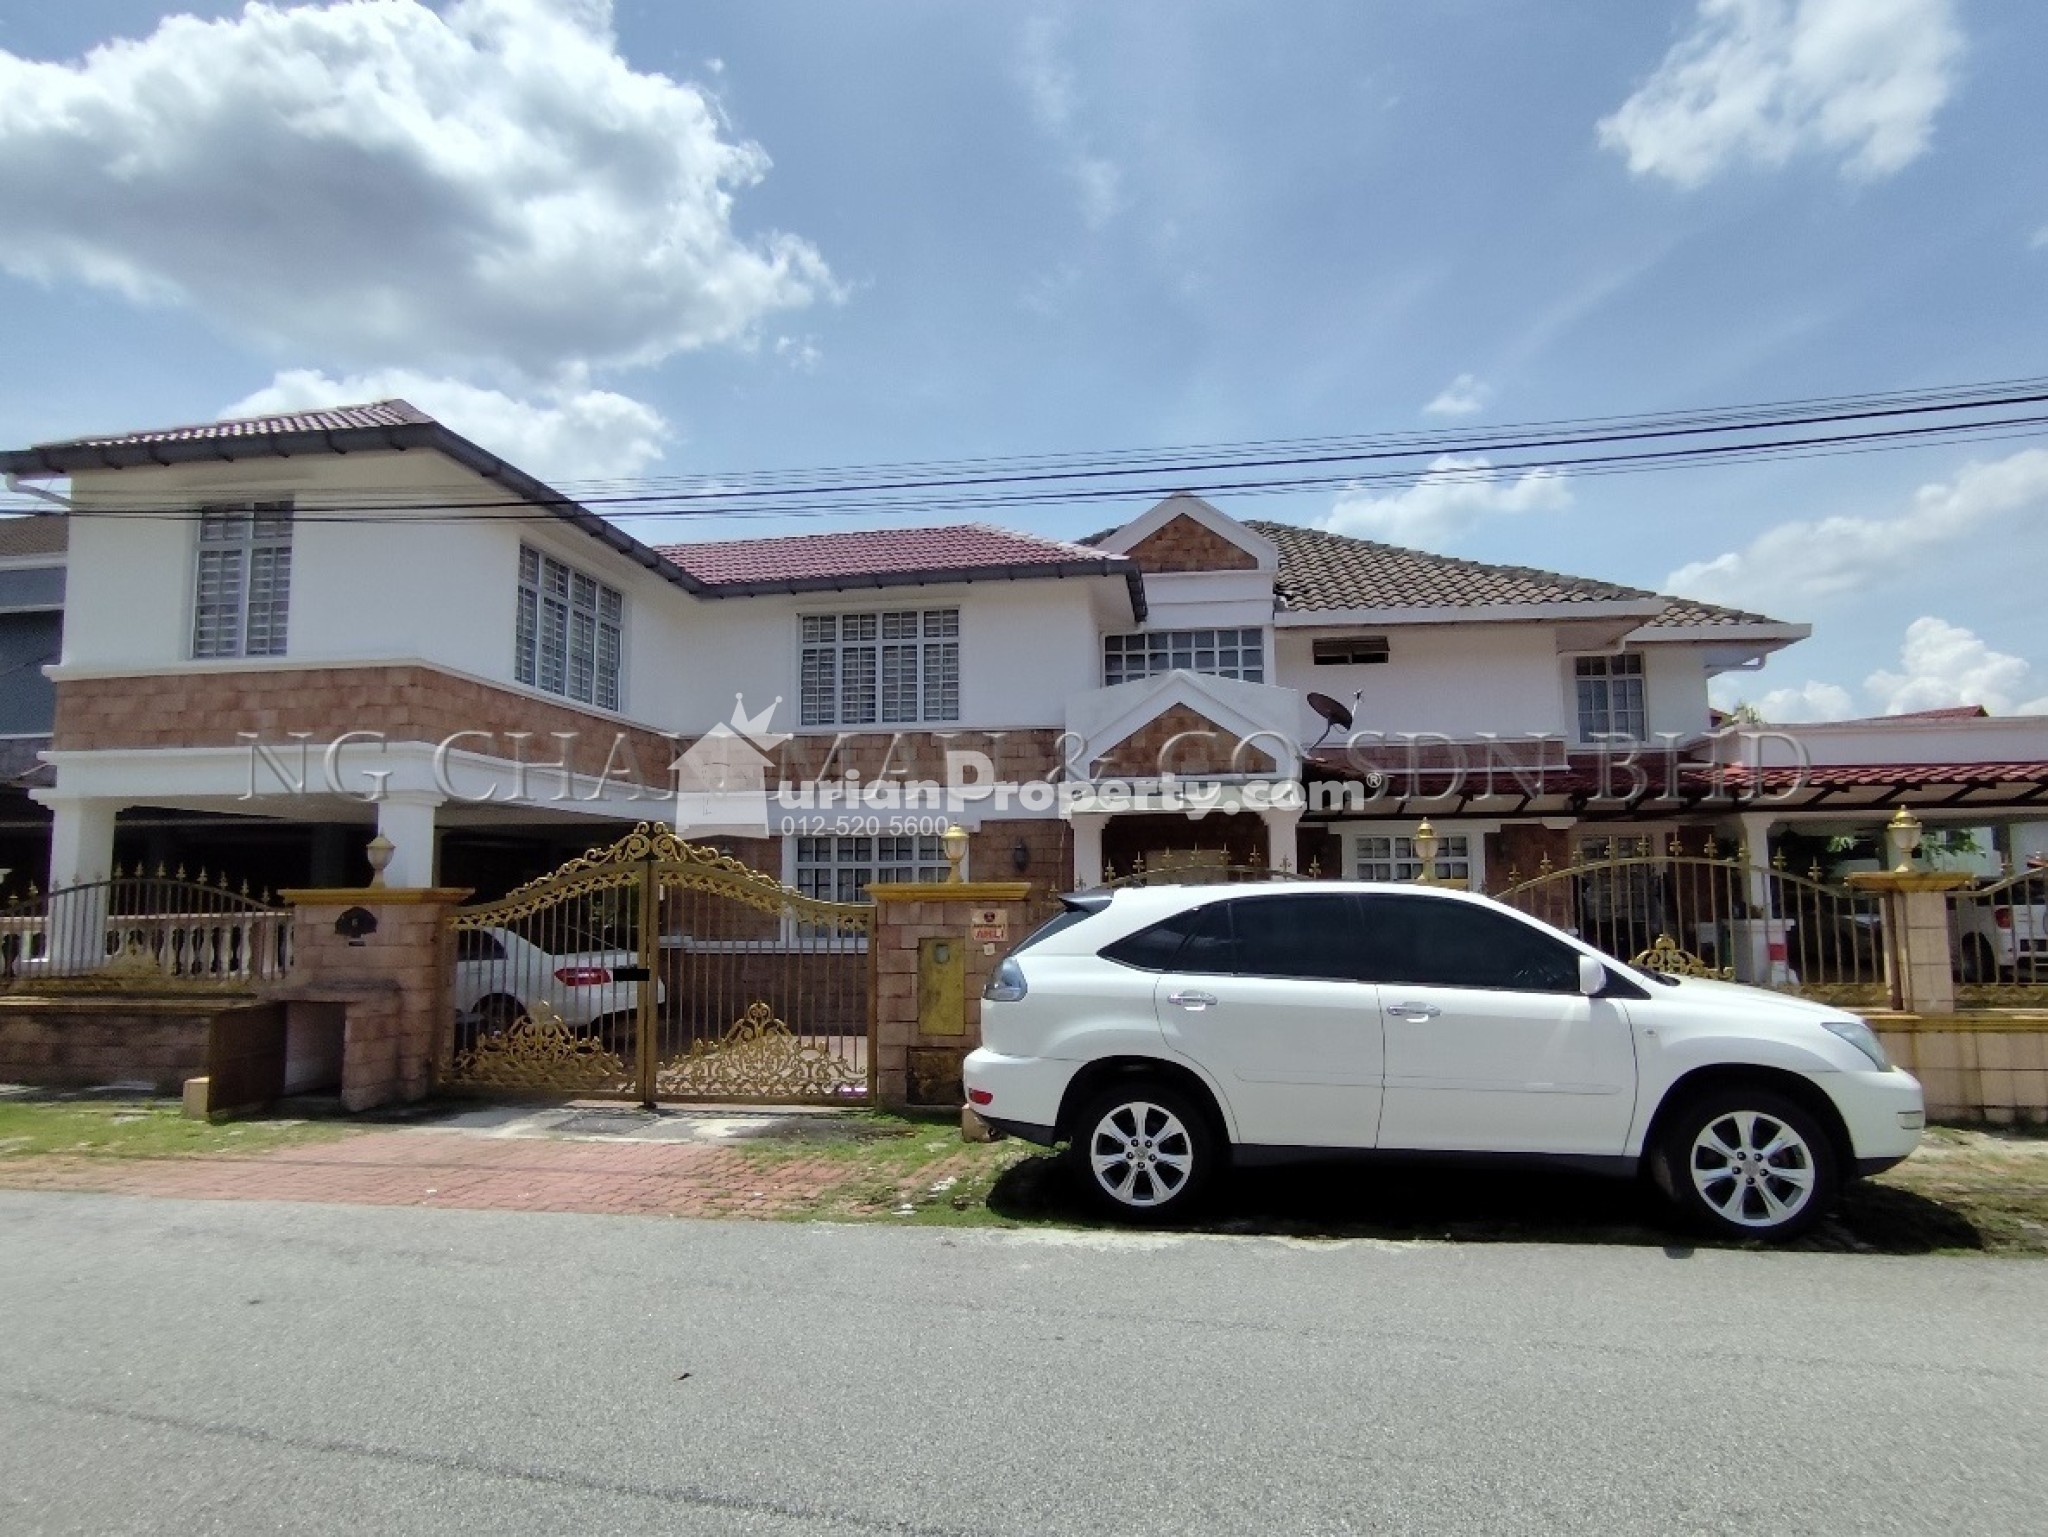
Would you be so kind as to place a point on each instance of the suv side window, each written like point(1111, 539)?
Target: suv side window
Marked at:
point(1429, 942)
point(1195, 940)
point(1309, 935)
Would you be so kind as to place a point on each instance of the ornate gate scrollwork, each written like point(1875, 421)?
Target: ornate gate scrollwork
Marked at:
point(663, 969)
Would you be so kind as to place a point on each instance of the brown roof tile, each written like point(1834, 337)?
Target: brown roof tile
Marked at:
point(1322, 570)
point(377, 413)
point(866, 555)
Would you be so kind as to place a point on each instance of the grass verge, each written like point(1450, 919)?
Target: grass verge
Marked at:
point(138, 1128)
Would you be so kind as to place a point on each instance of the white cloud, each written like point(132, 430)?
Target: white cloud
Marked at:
point(1807, 701)
point(1763, 80)
point(383, 183)
point(2040, 240)
point(1455, 493)
point(1944, 664)
point(572, 435)
point(1463, 396)
point(1801, 563)
point(1049, 84)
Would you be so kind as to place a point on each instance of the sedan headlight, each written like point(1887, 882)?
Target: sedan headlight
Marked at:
point(1863, 1038)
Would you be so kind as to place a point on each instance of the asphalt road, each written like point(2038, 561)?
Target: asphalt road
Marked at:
point(227, 1367)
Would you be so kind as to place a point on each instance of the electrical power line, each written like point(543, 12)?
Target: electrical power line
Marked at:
point(1580, 447)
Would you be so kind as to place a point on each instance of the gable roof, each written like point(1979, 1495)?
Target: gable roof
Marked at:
point(1320, 570)
point(892, 557)
point(1324, 572)
point(378, 426)
point(169, 445)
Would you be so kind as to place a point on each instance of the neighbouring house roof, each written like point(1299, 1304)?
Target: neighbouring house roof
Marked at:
point(35, 534)
point(897, 557)
point(387, 426)
point(1954, 712)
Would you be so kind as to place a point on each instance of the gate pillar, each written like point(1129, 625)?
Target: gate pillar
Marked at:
point(384, 954)
point(1917, 949)
point(935, 943)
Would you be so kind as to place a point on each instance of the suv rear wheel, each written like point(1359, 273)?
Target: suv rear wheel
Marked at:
point(1144, 1151)
point(1748, 1163)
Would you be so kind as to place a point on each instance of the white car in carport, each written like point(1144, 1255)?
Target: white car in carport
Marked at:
point(501, 976)
point(1165, 1031)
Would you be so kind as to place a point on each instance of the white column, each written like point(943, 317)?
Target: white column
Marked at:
point(407, 818)
point(81, 855)
point(81, 839)
point(1280, 842)
point(1088, 827)
point(1760, 957)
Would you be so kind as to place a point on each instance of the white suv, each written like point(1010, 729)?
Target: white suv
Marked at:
point(1164, 1030)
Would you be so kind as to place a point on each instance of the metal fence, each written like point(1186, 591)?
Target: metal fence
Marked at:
point(1998, 935)
point(141, 930)
point(1753, 922)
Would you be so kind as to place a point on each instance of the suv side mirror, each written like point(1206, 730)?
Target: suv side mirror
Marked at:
point(1592, 975)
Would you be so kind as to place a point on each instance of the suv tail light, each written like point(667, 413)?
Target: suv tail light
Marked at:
point(582, 976)
point(2002, 916)
point(1007, 985)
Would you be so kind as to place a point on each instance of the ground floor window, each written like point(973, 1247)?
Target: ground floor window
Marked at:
point(836, 869)
point(1390, 857)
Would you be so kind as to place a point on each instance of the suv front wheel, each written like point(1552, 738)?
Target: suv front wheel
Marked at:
point(1144, 1151)
point(1749, 1163)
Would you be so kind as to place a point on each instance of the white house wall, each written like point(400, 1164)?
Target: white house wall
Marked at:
point(1457, 680)
point(1025, 647)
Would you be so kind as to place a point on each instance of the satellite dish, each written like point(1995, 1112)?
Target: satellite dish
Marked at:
point(1336, 715)
point(1331, 710)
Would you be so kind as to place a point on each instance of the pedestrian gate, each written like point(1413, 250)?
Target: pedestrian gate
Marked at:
point(661, 970)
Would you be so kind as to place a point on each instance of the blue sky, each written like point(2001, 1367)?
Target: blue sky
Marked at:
point(647, 238)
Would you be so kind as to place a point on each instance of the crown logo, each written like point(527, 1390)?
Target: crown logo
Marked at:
point(756, 728)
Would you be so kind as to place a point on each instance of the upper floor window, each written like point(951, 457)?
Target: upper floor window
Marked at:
point(242, 590)
point(1221, 653)
point(890, 668)
point(1611, 697)
point(1383, 858)
point(568, 636)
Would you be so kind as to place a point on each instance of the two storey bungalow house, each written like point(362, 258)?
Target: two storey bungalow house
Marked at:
point(286, 634)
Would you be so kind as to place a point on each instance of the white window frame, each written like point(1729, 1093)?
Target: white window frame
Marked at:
point(907, 662)
point(1162, 651)
point(1397, 861)
point(242, 580)
point(1589, 732)
point(549, 620)
point(1473, 859)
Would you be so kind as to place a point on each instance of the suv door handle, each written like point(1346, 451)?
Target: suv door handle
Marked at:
point(1414, 1010)
point(1191, 1000)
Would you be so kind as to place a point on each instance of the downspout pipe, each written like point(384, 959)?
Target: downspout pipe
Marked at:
point(17, 487)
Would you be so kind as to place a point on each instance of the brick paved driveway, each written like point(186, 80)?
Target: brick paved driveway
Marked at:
point(423, 1167)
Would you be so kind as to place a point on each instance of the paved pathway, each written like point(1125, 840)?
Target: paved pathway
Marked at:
point(501, 1163)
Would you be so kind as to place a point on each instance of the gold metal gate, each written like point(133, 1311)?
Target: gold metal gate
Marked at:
point(662, 970)
point(1715, 909)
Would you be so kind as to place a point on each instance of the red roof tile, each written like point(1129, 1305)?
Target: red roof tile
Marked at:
point(868, 556)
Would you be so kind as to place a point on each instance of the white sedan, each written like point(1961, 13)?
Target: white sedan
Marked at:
point(1163, 1031)
point(500, 977)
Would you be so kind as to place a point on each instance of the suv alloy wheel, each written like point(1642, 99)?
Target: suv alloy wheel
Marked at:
point(1748, 1163)
point(1144, 1151)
